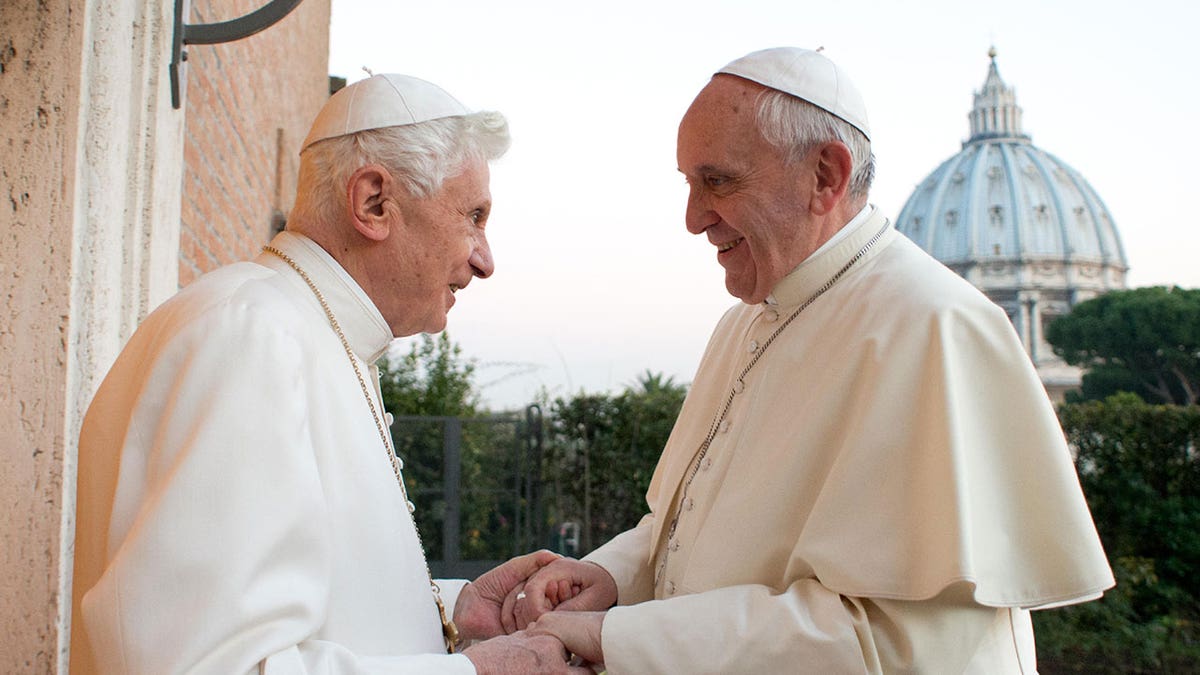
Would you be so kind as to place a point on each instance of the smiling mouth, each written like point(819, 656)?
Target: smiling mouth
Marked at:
point(721, 248)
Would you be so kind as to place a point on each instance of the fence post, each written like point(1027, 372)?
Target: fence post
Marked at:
point(535, 519)
point(451, 478)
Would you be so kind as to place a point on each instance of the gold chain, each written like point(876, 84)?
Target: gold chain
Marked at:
point(449, 630)
point(702, 451)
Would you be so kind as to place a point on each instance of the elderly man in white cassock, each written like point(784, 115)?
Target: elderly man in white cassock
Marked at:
point(866, 475)
point(240, 506)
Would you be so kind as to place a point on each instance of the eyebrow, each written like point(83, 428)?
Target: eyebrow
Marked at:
point(708, 169)
point(711, 168)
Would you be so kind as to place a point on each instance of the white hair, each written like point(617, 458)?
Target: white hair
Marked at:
point(796, 126)
point(420, 156)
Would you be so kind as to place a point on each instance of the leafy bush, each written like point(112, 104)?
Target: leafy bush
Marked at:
point(602, 454)
point(1140, 469)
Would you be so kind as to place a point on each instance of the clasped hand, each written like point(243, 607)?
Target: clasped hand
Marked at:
point(522, 592)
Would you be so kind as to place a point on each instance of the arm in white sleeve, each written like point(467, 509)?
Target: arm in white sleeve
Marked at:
point(807, 628)
point(314, 657)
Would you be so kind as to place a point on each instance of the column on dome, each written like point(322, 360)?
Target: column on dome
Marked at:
point(1023, 318)
point(1035, 323)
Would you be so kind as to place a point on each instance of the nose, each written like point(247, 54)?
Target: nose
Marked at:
point(698, 216)
point(481, 261)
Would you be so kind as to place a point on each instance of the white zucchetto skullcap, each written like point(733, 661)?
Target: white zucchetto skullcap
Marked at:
point(382, 101)
point(807, 75)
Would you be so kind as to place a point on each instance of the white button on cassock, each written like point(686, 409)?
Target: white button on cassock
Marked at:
point(412, 507)
point(752, 347)
point(739, 387)
point(670, 588)
point(706, 463)
point(724, 428)
point(674, 546)
point(770, 315)
point(688, 504)
point(387, 418)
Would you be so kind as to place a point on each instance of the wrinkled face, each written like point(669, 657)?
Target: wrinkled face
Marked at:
point(439, 246)
point(742, 194)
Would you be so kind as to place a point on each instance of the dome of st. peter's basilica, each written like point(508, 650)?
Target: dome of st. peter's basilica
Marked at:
point(1018, 223)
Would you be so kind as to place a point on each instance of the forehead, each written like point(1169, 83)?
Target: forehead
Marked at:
point(471, 183)
point(721, 122)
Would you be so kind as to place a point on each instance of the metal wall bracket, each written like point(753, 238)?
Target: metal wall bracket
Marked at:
point(217, 33)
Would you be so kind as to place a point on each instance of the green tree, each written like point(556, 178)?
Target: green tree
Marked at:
point(1140, 469)
point(1144, 340)
point(646, 414)
point(433, 382)
point(603, 450)
point(433, 378)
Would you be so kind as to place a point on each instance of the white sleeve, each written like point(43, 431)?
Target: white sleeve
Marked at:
point(323, 658)
point(807, 628)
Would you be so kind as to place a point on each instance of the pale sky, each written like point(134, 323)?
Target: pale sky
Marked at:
point(596, 278)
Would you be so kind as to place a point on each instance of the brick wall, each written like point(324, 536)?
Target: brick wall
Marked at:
point(249, 105)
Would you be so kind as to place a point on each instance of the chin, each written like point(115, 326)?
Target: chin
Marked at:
point(737, 291)
point(747, 290)
point(749, 297)
point(431, 327)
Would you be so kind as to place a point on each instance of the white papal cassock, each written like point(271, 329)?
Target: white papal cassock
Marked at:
point(889, 492)
point(237, 510)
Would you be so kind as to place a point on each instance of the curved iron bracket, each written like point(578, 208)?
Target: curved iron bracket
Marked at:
point(217, 33)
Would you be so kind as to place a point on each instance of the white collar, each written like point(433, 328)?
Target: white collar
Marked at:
point(360, 320)
point(841, 234)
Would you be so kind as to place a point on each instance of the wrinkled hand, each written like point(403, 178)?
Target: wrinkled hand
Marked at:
point(522, 654)
point(477, 613)
point(579, 632)
point(565, 584)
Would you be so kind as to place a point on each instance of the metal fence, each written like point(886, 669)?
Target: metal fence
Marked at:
point(476, 483)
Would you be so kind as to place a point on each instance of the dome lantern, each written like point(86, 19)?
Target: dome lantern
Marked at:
point(996, 113)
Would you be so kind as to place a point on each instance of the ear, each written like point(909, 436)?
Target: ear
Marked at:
point(369, 192)
point(833, 167)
